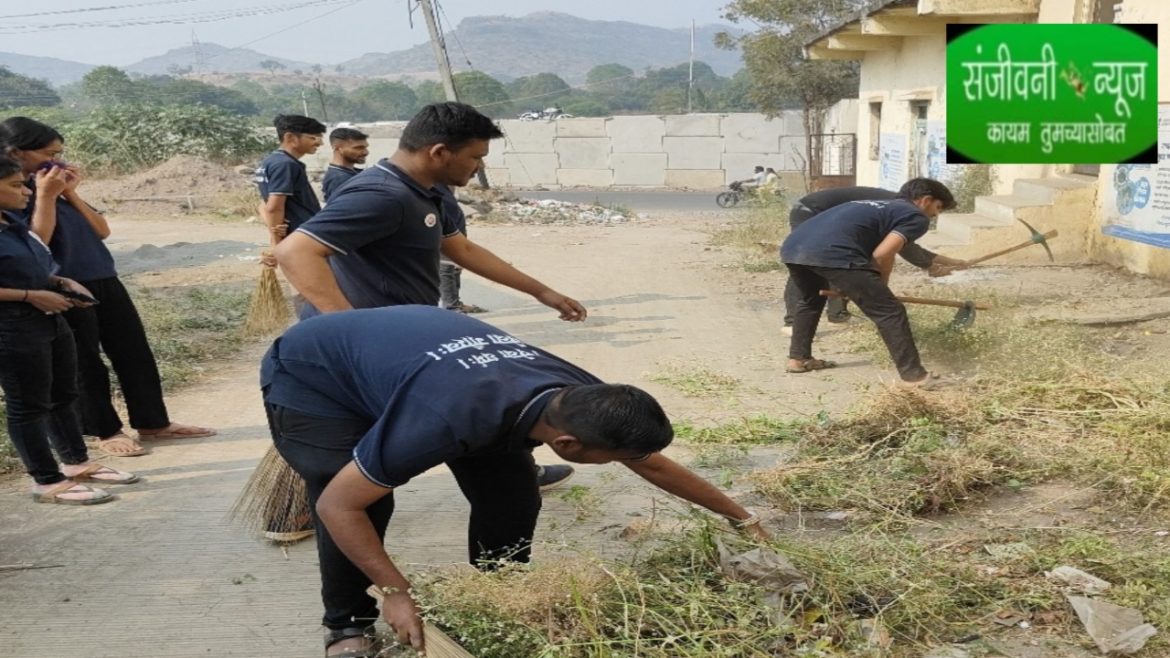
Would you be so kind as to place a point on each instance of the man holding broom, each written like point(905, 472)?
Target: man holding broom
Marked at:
point(288, 200)
point(378, 241)
point(361, 402)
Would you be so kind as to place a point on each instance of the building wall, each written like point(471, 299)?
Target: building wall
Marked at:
point(693, 150)
point(1135, 256)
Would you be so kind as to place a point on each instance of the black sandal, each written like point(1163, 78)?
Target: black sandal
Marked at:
point(334, 636)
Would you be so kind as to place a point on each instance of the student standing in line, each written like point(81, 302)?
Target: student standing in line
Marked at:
point(288, 200)
point(38, 366)
point(75, 233)
point(350, 148)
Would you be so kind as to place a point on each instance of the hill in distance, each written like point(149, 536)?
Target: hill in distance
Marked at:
point(210, 57)
point(508, 48)
point(56, 71)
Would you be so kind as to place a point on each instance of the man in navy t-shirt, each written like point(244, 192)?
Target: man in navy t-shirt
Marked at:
point(361, 402)
point(350, 148)
point(288, 197)
point(378, 241)
point(851, 248)
point(813, 204)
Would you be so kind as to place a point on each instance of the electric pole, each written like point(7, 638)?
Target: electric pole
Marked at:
point(440, 50)
point(691, 73)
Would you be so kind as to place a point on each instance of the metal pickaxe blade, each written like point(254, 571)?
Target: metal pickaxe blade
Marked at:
point(1037, 238)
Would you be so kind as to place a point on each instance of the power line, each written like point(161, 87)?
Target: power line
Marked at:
point(93, 9)
point(454, 33)
point(290, 27)
point(181, 19)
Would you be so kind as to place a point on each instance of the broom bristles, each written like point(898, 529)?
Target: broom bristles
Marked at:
point(438, 643)
point(274, 498)
point(269, 312)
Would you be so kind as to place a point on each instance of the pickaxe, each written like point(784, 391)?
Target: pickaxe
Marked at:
point(964, 317)
point(1037, 238)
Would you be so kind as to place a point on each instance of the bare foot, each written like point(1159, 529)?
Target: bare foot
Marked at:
point(69, 493)
point(348, 644)
point(95, 472)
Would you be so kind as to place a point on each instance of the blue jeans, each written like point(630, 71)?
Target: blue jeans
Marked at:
point(38, 373)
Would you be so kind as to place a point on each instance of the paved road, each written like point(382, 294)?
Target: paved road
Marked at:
point(639, 201)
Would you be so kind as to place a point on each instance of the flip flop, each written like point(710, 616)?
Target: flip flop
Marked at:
point(809, 365)
point(96, 472)
point(120, 446)
point(189, 432)
point(54, 495)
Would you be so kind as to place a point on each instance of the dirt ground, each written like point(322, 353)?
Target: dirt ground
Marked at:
point(161, 572)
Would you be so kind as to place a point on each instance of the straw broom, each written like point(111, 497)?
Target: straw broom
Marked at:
point(438, 643)
point(274, 499)
point(269, 312)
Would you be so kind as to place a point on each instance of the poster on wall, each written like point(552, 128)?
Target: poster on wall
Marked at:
point(1137, 200)
point(936, 154)
point(892, 161)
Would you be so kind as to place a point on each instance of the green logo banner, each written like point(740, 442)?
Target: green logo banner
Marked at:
point(1034, 94)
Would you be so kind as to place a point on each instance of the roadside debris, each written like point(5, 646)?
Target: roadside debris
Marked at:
point(1085, 583)
point(1115, 629)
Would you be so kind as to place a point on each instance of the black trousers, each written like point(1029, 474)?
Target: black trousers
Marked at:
point(872, 296)
point(502, 489)
point(38, 373)
point(837, 306)
point(114, 327)
point(449, 284)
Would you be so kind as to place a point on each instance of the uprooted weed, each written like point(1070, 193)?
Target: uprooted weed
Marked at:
point(905, 452)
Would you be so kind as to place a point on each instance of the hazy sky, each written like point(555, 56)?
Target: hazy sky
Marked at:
point(350, 28)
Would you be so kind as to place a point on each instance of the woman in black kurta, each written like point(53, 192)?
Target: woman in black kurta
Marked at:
point(75, 232)
point(38, 364)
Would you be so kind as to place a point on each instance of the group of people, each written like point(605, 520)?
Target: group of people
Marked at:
point(62, 307)
point(380, 379)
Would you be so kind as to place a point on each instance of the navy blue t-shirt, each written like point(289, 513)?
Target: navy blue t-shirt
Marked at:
point(845, 236)
point(77, 248)
point(821, 201)
point(335, 176)
point(25, 261)
point(434, 385)
point(282, 174)
point(386, 230)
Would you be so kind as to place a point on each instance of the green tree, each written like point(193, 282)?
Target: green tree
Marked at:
point(173, 91)
point(429, 91)
point(272, 66)
point(541, 90)
point(609, 78)
point(781, 77)
point(483, 91)
point(108, 84)
point(584, 105)
point(21, 91)
point(385, 101)
point(124, 138)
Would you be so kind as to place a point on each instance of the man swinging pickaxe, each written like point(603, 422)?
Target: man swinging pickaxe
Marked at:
point(1037, 238)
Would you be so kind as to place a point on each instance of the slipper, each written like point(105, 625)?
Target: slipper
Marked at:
point(96, 472)
point(184, 432)
point(809, 365)
point(120, 446)
point(68, 486)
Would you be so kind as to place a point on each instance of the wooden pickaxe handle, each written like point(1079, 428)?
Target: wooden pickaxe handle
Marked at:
point(1047, 236)
point(919, 300)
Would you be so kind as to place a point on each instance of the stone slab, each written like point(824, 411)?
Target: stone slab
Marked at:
point(751, 133)
point(636, 134)
point(693, 125)
point(582, 127)
point(532, 168)
point(583, 152)
point(647, 169)
point(693, 152)
point(528, 136)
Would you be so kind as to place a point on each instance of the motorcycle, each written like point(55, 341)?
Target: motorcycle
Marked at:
point(736, 194)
